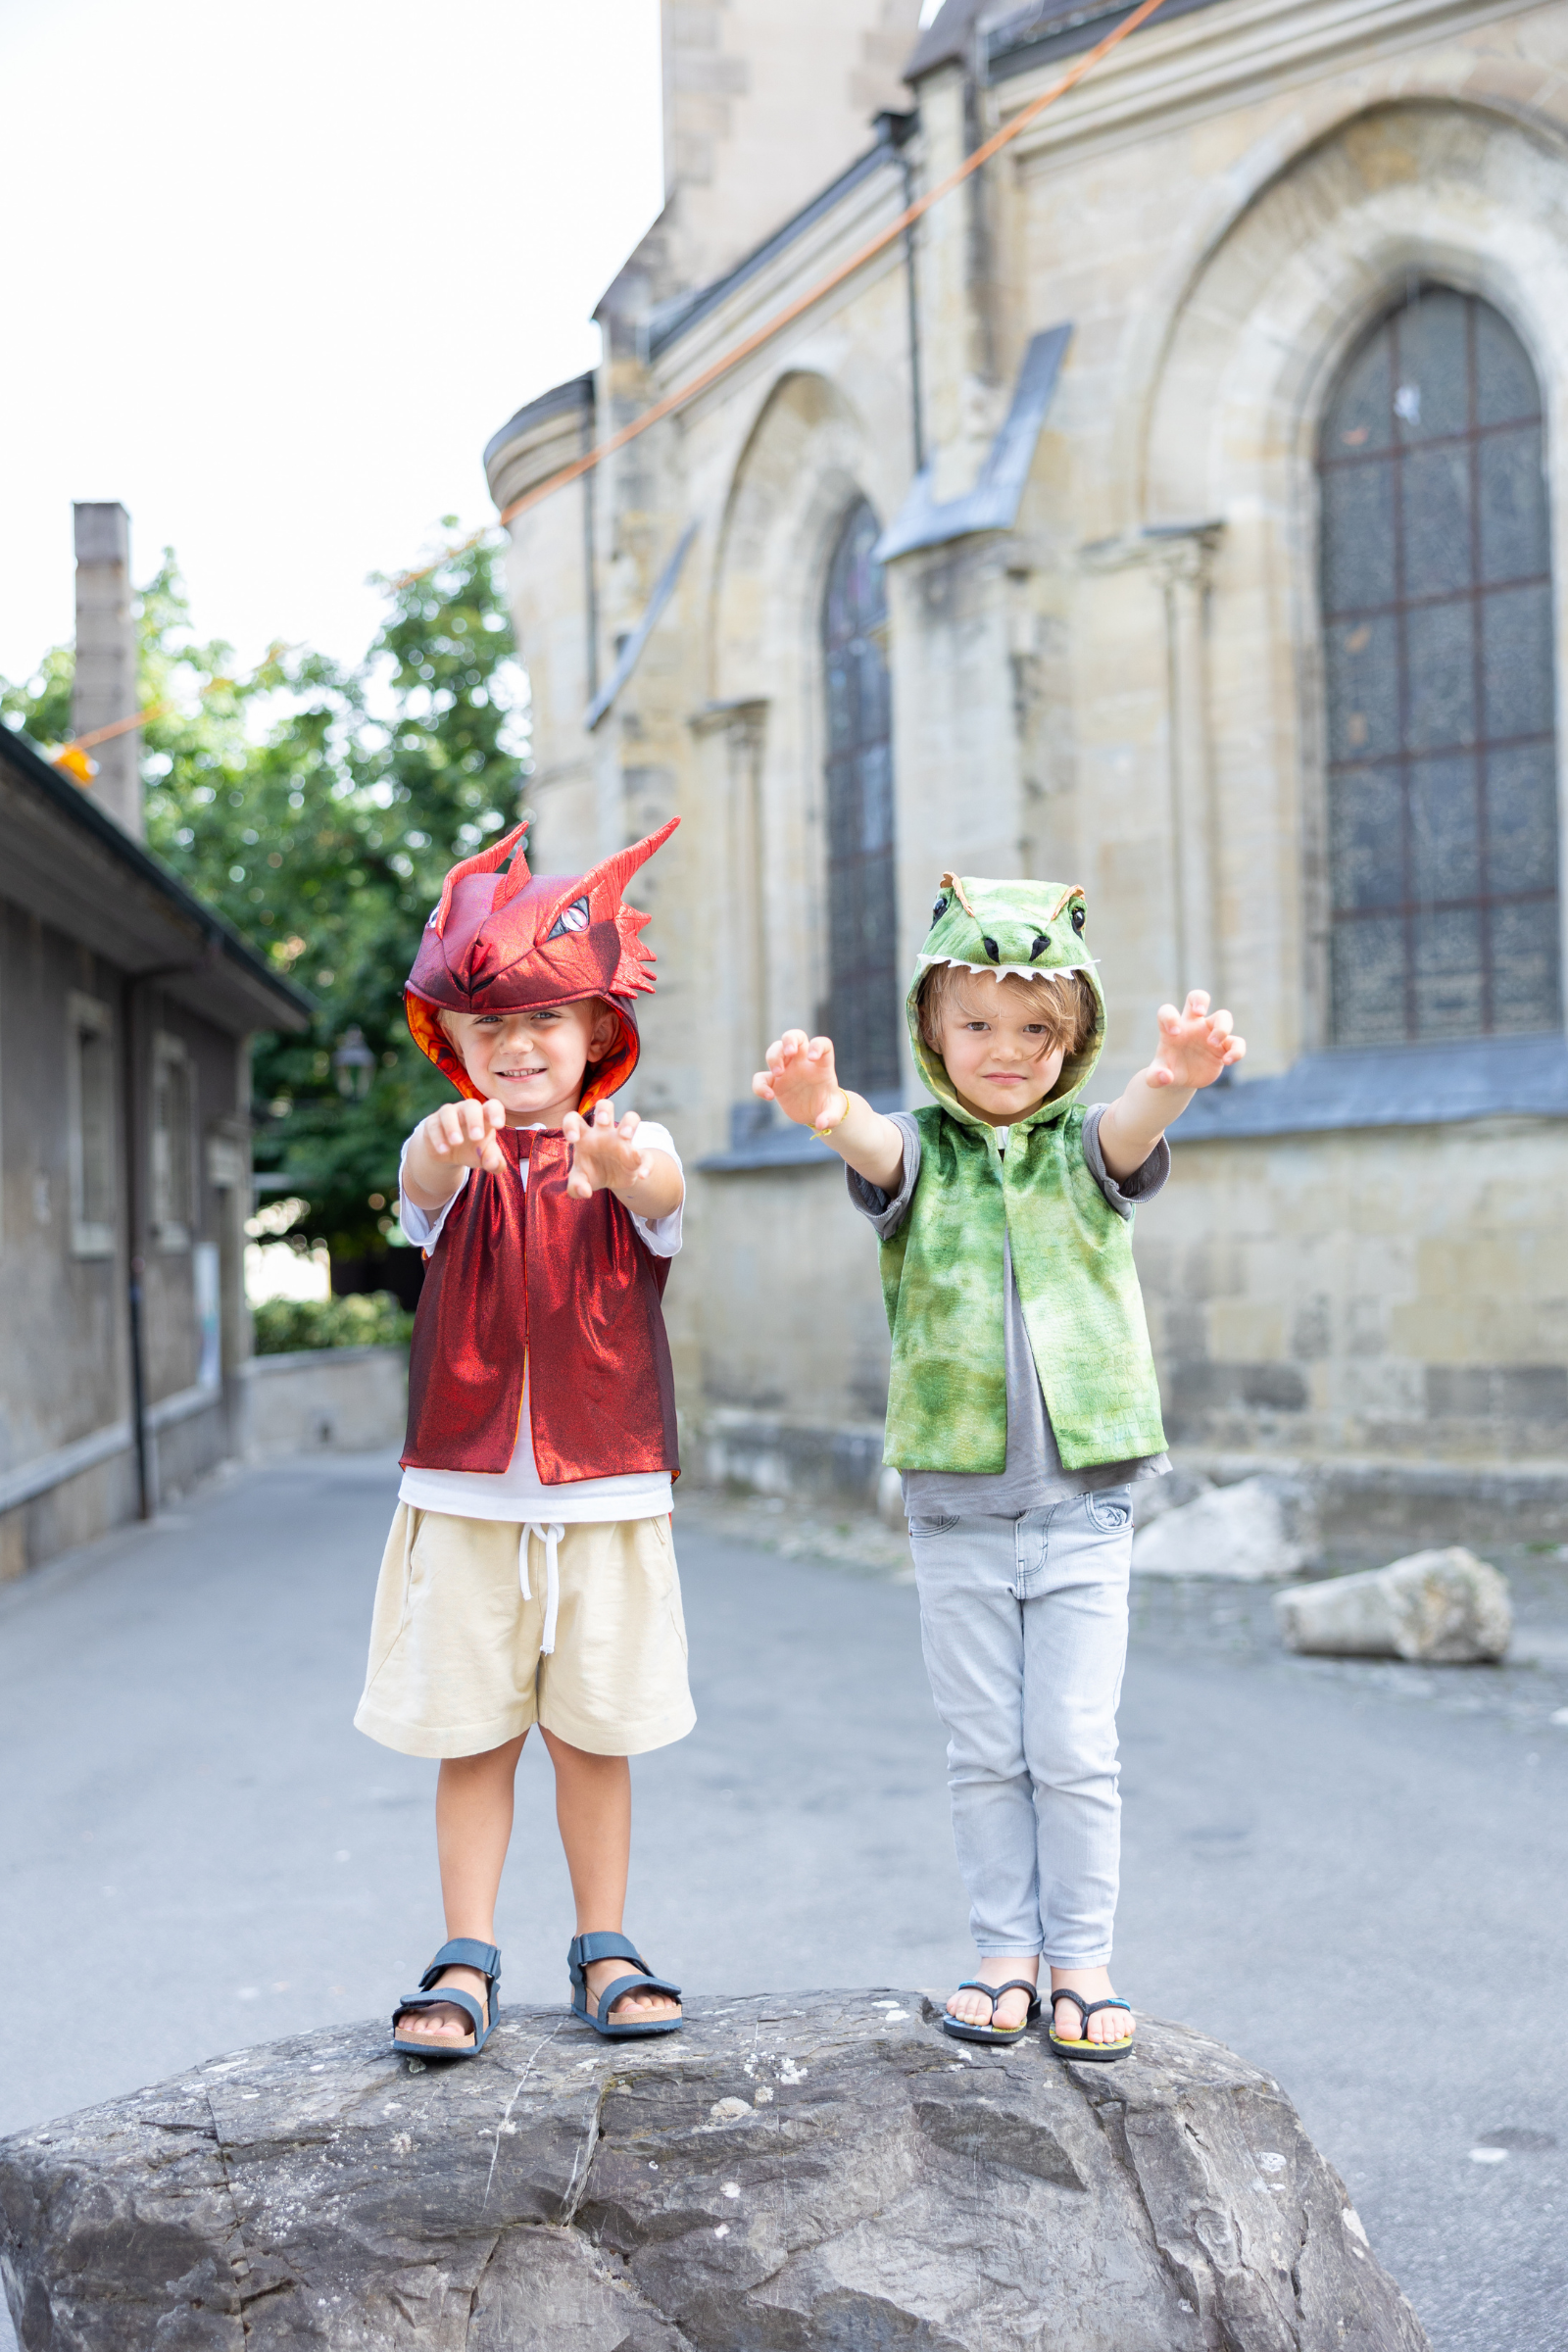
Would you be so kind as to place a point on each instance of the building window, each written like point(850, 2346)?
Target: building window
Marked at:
point(864, 989)
point(173, 1143)
point(91, 1110)
point(1437, 609)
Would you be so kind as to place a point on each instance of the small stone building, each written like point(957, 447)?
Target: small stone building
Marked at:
point(125, 1125)
point(1176, 511)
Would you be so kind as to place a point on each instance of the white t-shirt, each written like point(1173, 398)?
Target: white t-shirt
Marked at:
point(518, 1492)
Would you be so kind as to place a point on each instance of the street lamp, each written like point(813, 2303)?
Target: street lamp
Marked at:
point(352, 1062)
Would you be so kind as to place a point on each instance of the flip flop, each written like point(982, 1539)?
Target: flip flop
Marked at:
point(1098, 2053)
point(584, 1949)
point(961, 2028)
point(461, 1952)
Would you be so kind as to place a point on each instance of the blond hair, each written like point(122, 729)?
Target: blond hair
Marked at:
point(1064, 1001)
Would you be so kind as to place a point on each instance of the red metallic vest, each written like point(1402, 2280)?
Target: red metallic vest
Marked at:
point(571, 1285)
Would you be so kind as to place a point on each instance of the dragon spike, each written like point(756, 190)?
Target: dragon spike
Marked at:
point(486, 863)
point(618, 869)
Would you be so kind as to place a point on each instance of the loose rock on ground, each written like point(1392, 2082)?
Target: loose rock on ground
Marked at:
point(1257, 1528)
point(807, 2172)
point(1443, 1608)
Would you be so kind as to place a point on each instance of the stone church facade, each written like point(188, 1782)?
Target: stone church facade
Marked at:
point(1176, 511)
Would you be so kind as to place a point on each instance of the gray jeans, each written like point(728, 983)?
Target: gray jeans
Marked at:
point(1024, 1626)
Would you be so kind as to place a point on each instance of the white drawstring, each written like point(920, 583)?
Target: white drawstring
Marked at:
point(549, 1533)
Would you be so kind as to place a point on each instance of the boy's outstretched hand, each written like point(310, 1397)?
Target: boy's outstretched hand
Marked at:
point(606, 1156)
point(802, 1078)
point(457, 1136)
point(1195, 1046)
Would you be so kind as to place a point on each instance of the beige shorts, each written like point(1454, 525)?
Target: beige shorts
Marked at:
point(455, 1645)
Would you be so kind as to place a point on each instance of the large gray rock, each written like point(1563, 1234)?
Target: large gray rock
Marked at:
point(1447, 1608)
point(811, 2173)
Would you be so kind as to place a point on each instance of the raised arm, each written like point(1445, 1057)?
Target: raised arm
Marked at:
point(443, 1148)
point(1195, 1046)
point(608, 1155)
point(801, 1078)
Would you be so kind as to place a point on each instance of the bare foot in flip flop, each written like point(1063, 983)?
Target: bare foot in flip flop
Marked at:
point(973, 2009)
point(1092, 1984)
point(644, 2007)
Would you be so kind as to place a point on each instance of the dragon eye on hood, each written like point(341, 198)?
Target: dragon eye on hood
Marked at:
point(1078, 919)
point(570, 918)
point(939, 910)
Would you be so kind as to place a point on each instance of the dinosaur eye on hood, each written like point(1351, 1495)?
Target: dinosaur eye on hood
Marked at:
point(940, 909)
point(570, 918)
point(1078, 920)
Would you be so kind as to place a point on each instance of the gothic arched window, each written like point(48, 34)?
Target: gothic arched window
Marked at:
point(1437, 615)
point(863, 991)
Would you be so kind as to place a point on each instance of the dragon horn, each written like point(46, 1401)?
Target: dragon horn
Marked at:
point(486, 863)
point(618, 869)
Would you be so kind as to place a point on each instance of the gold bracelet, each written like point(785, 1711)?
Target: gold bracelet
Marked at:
point(822, 1134)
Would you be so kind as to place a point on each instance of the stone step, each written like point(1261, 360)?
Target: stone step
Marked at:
point(803, 2173)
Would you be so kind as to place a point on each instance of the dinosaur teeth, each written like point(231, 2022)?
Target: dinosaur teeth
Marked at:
point(1025, 971)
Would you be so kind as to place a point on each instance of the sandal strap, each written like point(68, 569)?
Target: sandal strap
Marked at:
point(993, 1992)
point(1017, 1984)
point(433, 2000)
point(605, 2001)
point(1090, 2007)
point(1079, 2004)
point(464, 1951)
point(600, 1943)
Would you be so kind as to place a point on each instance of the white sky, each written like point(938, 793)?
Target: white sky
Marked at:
point(276, 274)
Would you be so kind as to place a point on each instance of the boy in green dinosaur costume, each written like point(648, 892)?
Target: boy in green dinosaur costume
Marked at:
point(1022, 1407)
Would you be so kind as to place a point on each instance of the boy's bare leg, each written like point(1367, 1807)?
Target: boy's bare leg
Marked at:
point(593, 1810)
point(473, 1800)
point(1106, 2025)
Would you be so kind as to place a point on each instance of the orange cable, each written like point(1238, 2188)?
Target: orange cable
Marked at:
point(140, 719)
point(835, 277)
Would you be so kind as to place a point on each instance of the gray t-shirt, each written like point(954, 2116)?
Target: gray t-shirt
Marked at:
point(1034, 1477)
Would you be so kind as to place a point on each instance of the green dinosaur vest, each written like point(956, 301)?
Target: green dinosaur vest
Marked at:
point(941, 1271)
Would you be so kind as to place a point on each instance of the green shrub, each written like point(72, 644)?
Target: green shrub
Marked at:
point(373, 1319)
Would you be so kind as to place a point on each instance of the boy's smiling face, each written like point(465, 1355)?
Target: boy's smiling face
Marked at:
point(532, 1063)
point(1002, 1055)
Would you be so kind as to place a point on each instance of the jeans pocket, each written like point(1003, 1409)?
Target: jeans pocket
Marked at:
point(933, 1523)
point(1111, 1509)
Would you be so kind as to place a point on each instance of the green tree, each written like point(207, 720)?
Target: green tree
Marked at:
point(318, 810)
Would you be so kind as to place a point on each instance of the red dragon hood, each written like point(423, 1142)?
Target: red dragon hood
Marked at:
point(512, 942)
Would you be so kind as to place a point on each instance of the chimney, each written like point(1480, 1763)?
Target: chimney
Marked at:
point(105, 689)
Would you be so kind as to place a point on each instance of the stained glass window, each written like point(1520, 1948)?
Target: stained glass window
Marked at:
point(863, 990)
point(1441, 727)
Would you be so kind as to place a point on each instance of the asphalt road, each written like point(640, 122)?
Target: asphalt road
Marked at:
point(1356, 1875)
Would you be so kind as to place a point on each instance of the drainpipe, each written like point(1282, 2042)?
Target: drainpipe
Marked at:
point(895, 132)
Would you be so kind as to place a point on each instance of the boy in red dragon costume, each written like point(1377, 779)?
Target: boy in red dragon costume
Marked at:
point(529, 1576)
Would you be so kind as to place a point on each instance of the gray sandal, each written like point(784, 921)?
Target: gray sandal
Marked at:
point(461, 1952)
point(581, 1954)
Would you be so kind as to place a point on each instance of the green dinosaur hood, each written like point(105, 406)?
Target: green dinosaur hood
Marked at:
point(999, 927)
